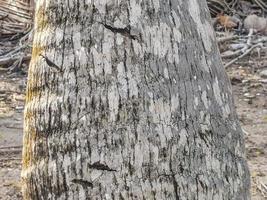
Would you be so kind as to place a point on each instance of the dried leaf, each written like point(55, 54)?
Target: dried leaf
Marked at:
point(227, 21)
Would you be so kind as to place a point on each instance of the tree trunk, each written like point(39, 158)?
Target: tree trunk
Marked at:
point(129, 100)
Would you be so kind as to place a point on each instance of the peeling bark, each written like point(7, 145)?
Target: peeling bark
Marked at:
point(129, 100)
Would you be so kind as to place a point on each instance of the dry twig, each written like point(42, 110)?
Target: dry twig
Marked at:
point(243, 55)
point(262, 188)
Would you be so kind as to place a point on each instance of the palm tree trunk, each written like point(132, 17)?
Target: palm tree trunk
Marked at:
point(129, 100)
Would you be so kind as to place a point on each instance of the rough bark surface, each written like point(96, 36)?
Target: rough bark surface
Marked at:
point(128, 99)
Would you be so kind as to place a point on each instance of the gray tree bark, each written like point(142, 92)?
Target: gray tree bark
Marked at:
point(128, 99)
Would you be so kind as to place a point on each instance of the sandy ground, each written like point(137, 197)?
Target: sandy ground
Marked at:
point(250, 94)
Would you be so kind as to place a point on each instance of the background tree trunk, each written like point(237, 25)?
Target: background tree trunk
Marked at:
point(129, 100)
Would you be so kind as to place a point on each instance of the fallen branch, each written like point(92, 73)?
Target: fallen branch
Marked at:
point(15, 17)
point(243, 55)
point(227, 38)
point(262, 188)
point(11, 151)
point(230, 55)
point(11, 53)
point(10, 159)
point(12, 59)
point(11, 147)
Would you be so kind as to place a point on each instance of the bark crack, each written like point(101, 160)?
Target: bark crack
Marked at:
point(175, 185)
point(83, 183)
point(123, 31)
point(174, 182)
point(51, 64)
point(100, 166)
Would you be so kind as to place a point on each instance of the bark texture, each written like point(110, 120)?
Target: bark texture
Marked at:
point(128, 99)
